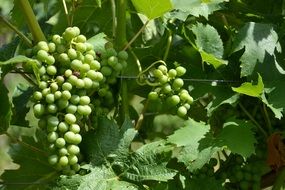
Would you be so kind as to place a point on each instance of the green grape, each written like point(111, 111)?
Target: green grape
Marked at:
point(76, 64)
point(57, 39)
point(75, 167)
point(163, 69)
point(163, 79)
point(66, 86)
point(63, 161)
point(72, 79)
point(52, 136)
point(51, 47)
point(123, 55)
point(39, 110)
point(87, 83)
point(71, 108)
point(157, 73)
point(173, 100)
point(74, 128)
point(81, 38)
point(50, 98)
point(180, 71)
point(42, 123)
point(84, 100)
point(62, 151)
point(81, 47)
point(72, 54)
point(42, 55)
point(53, 87)
point(60, 48)
point(60, 142)
point(63, 127)
point(95, 65)
point(50, 60)
point(51, 70)
point(69, 137)
point(52, 108)
point(177, 83)
point(80, 83)
point(106, 70)
point(166, 89)
point(66, 95)
point(88, 58)
point(73, 149)
point(84, 68)
point(52, 120)
point(70, 118)
point(37, 95)
point(172, 73)
point(153, 96)
point(181, 111)
point(45, 92)
point(62, 104)
point(75, 99)
point(59, 80)
point(68, 73)
point(53, 159)
point(77, 139)
point(72, 159)
point(70, 33)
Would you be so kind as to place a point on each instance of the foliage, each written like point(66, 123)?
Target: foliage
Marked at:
point(184, 94)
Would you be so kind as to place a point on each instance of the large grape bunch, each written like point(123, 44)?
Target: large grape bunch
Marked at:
point(168, 86)
point(70, 73)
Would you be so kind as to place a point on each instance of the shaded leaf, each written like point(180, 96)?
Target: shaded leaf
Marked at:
point(199, 7)
point(152, 9)
point(232, 134)
point(35, 171)
point(251, 89)
point(257, 40)
point(5, 111)
point(98, 41)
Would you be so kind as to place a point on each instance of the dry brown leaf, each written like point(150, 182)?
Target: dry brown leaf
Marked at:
point(276, 151)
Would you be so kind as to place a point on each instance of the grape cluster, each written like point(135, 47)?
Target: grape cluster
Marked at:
point(69, 71)
point(169, 87)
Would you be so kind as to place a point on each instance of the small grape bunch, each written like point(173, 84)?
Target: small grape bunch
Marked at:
point(69, 71)
point(168, 86)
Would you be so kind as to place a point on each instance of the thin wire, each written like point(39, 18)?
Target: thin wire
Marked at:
point(189, 79)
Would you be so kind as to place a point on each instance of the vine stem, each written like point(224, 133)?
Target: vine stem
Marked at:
point(267, 119)
point(253, 120)
point(136, 35)
point(279, 182)
point(20, 34)
point(114, 23)
point(120, 40)
point(32, 22)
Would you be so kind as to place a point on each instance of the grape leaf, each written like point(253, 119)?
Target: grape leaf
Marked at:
point(148, 163)
point(257, 40)
point(21, 96)
point(208, 183)
point(196, 130)
point(98, 41)
point(99, 178)
point(108, 140)
point(5, 111)
point(209, 44)
point(35, 171)
point(152, 9)
point(199, 7)
point(238, 137)
point(250, 89)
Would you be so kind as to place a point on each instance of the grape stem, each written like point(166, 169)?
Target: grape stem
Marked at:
point(66, 12)
point(32, 22)
point(26, 40)
point(168, 45)
point(267, 119)
point(114, 22)
point(136, 35)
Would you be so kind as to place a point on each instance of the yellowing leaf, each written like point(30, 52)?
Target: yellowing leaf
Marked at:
point(250, 89)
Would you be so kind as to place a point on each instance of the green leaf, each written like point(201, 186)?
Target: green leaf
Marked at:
point(208, 42)
point(35, 172)
point(152, 9)
point(256, 39)
point(196, 130)
point(99, 178)
point(16, 59)
point(21, 97)
point(5, 111)
point(238, 137)
point(208, 183)
point(250, 89)
point(199, 7)
point(275, 107)
point(98, 41)
point(7, 51)
point(148, 163)
point(98, 145)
